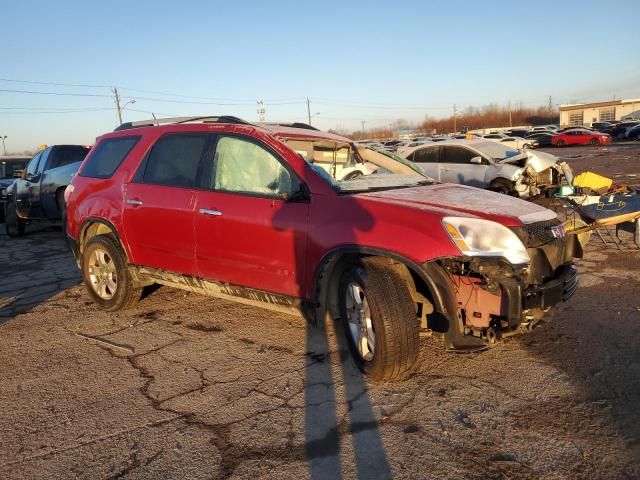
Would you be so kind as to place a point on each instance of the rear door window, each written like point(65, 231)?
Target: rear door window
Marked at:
point(425, 155)
point(174, 160)
point(107, 156)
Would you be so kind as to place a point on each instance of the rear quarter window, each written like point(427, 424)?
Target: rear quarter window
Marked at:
point(65, 155)
point(107, 156)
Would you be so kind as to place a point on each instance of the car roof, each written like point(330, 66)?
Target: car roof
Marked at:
point(459, 142)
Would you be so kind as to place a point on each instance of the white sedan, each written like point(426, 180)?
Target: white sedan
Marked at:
point(513, 142)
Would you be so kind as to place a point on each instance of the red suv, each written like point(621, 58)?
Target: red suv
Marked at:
point(253, 213)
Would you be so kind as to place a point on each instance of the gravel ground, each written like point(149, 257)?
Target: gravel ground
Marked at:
point(193, 387)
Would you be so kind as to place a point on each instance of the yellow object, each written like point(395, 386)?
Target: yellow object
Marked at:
point(593, 181)
point(42, 147)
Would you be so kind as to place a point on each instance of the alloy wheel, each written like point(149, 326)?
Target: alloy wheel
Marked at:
point(102, 274)
point(359, 318)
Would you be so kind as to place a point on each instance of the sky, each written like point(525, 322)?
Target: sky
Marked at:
point(355, 60)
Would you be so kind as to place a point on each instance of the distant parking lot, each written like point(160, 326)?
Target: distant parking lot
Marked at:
point(194, 387)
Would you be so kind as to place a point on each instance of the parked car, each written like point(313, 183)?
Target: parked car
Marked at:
point(544, 128)
point(600, 126)
point(405, 147)
point(543, 138)
point(618, 130)
point(11, 167)
point(493, 166)
point(580, 136)
point(518, 132)
point(466, 136)
point(512, 142)
point(226, 208)
point(38, 195)
point(634, 133)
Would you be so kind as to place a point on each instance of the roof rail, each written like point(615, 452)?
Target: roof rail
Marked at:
point(305, 126)
point(175, 120)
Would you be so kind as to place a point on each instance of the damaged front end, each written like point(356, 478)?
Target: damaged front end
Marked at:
point(489, 298)
point(542, 174)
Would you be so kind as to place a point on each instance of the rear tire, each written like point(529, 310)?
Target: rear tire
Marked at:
point(561, 144)
point(386, 314)
point(107, 276)
point(14, 225)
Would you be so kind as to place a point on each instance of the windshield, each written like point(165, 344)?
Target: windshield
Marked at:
point(10, 168)
point(495, 150)
point(349, 168)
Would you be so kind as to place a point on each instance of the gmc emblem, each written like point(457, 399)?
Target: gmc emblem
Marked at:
point(558, 231)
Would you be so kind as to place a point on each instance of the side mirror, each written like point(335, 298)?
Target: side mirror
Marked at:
point(298, 196)
point(476, 160)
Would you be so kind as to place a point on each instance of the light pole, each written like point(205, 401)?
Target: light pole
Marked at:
point(119, 108)
point(311, 115)
point(4, 147)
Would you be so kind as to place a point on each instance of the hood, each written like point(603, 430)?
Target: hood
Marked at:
point(458, 200)
point(539, 161)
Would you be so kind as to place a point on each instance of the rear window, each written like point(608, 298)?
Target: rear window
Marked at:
point(66, 155)
point(107, 157)
point(174, 160)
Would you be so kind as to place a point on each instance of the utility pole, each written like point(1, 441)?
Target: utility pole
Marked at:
point(309, 110)
point(363, 122)
point(454, 119)
point(550, 105)
point(117, 100)
point(4, 147)
point(510, 125)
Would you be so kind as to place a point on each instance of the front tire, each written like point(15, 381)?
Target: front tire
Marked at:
point(379, 319)
point(560, 144)
point(14, 225)
point(594, 142)
point(504, 186)
point(106, 274)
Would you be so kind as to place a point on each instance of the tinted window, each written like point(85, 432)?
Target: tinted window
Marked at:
point(457, 155)
point(243, 166)
point(174, 160)
point(32, 168)
point(107, 157)
point(61, 156)
point(425, 155)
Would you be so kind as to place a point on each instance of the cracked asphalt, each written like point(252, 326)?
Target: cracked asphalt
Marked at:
point(194, 387)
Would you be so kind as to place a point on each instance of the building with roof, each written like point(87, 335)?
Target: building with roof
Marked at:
point(584, 114)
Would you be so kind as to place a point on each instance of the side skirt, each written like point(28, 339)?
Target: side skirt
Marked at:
point(247, 296)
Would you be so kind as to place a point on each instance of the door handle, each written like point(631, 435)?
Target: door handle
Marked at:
point(205, 211)
point(133, 201)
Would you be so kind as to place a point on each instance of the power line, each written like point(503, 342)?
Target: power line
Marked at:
point(153, 92)
point(56, 93)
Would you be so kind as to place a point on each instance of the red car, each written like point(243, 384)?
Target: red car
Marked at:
point(253, 213)
point(580, 136)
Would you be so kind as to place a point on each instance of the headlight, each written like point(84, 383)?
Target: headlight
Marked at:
point(482, 238)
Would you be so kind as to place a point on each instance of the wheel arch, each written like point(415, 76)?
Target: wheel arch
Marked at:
point(421, 279)
point(93, 226)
